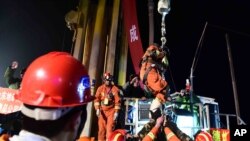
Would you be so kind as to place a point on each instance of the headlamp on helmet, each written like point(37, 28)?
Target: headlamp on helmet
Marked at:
point(107, 77)
point(83, 86)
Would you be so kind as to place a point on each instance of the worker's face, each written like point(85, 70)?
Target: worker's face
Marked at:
point(108, 82)
point(136, 82)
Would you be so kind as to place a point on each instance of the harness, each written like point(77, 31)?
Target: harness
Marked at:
point(155, 65)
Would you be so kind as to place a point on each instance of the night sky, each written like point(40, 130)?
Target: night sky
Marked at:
point(30, 28)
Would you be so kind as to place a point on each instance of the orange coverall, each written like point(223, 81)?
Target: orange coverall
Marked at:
point(108, 101)
point(154, 81)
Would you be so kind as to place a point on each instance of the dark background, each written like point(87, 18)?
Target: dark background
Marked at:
point(30, 28)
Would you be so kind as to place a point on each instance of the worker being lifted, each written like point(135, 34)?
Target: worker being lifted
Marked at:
point(153, 67)
point(154, 64)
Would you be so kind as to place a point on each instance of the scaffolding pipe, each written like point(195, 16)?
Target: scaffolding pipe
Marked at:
point(236, 101)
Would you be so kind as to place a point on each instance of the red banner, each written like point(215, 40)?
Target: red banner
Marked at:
point(8, 103)
point(133, 34)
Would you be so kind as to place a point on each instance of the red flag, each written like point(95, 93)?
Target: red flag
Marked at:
point(133, 34)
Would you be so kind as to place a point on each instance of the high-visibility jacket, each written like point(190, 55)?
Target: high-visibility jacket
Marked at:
point(152, 134)
point(107, 97)
point(151, 72)
point(108, 101)
point(170, 135)
point(146, 129)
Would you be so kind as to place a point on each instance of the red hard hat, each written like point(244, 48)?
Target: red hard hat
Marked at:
point(55, 80)
point(117, 135)
point(203, 136)
point(107, 76)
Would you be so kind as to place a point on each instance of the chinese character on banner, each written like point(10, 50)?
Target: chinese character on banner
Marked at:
point(133, 35)
point(220, 134)
point(8, 103)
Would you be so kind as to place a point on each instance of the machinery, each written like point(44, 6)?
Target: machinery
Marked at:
point(207, 118)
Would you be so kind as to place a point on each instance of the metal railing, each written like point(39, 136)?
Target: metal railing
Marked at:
point(227, 116)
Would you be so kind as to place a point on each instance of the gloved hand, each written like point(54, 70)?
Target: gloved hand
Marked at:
point(159, 121)
point(115, 115)
point(98, 112)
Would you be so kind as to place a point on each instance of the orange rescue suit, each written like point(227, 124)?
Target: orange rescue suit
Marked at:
point(150, 72)
point(108, 101)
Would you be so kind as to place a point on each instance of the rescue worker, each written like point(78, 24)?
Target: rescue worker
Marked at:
point(133, 89)
point(107, 105)
point(183, 104)
point(11, 81)
point(153, 132)
point(160, 129)
point(11, 122)
point(172, 127)
point(152, 72)
point(54, 92)
point(149, 126)
point(122, 134)
point(152, 69)
point(169, 131)
point(169, 134)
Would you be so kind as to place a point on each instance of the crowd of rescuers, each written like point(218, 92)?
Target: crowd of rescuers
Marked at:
point(107, 105)
point(54, 104)
point(160, 126)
